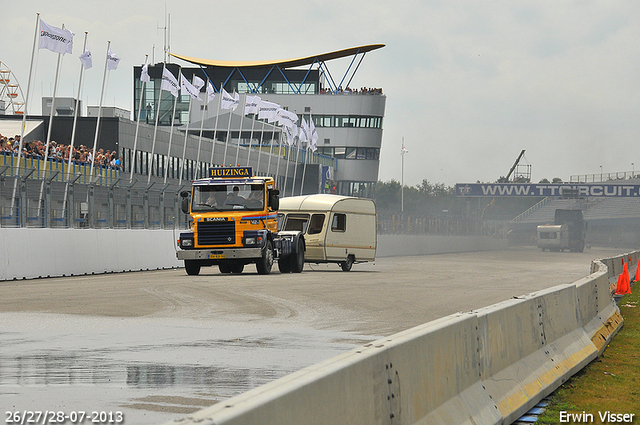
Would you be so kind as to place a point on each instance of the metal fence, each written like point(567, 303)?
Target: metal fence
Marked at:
point(59, 199)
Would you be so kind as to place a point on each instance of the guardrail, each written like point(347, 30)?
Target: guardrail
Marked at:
point(483, 367)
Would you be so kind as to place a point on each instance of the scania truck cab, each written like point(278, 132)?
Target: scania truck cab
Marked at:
point(234, 223)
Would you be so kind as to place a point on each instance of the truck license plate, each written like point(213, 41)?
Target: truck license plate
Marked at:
point(216, 256)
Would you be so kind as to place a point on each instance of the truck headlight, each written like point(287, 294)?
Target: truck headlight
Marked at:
point(252, 240)
point(186, 243)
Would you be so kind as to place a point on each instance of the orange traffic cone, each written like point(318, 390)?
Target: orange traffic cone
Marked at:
point(637, 272)
point(624, 286)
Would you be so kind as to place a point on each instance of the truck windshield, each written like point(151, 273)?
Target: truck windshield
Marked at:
point(227, 197)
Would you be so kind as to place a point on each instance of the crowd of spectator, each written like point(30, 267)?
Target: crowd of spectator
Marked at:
point(349, 90)
point(59, 152)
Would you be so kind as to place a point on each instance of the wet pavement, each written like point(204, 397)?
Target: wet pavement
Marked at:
point(158, 345)
point(151, 369)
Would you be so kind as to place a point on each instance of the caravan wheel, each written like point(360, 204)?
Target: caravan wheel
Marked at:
point(346, 265)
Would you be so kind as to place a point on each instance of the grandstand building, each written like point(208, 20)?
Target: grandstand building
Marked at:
point(201, 135)
point(348, 122)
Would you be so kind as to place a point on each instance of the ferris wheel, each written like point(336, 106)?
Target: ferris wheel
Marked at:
point(10, 91)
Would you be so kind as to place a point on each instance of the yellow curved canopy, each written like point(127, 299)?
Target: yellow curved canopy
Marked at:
point(285, 63)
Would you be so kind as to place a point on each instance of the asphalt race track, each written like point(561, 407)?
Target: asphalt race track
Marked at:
point(159, 344)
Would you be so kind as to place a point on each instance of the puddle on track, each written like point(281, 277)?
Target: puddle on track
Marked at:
point(151, 369)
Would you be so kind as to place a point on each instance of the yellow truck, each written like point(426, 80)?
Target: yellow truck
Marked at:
point(234, 223)
point(337, 229)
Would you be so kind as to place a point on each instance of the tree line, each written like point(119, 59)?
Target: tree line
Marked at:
point(439, 200)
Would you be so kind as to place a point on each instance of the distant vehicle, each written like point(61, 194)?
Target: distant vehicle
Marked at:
point(568, 232)
point(337, 229)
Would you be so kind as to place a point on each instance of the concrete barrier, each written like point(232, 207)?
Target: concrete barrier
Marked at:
point(483, 367)
point(32, 253)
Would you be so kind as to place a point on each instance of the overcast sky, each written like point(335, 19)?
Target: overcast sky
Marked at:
point(469, 84)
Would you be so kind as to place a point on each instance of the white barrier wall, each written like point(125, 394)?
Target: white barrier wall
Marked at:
point(31, 253)
point(483, 367)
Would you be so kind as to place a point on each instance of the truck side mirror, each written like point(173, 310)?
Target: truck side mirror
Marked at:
point(185, 202)
point(274, 200)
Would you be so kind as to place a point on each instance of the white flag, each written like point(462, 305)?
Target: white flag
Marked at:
point(268, 110)
point(144, 75)
point(313, 145)
point(229, 102)
point(169, 82)
point(198, 82)
point(290, 135)
point(304, 131)
point(187, 88)
point(112, 60)
point(286, 118)
point(85, 58)
point(251, 105)
point(211, 93)
point(55, 39)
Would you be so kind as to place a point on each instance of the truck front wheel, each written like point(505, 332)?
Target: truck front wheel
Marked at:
point(192, 267)
point(266, 262)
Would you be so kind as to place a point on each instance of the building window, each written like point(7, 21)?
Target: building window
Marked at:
point(359, 189)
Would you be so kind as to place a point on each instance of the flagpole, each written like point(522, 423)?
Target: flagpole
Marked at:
point(260, 147)
point(286, 170)
point(204, 108)
point(155, 127)
point(53, 108)
point(253, 123)
point(186, 135)
point(75, 114)
point(73, 131)
point(46, 148)
point(279, 152)
point(403, 151)
point(304, 168)
point(95, 140)
point(24, 116)
point(270, 154)
point(226, 143)
point(135, 138)
point(240, 132)
point(304, 158)
point(215, 130)
point(173, 118)
point(295, 168)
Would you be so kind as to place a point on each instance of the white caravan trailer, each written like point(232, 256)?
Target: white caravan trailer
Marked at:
point(337, 229)
point(553, 237)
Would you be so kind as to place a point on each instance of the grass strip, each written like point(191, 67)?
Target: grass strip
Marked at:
point(610, 383)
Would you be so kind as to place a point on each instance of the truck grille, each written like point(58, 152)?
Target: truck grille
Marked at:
point(217, 233)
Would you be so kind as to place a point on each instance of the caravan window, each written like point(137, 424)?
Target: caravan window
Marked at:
point(316, 223)
point(339, 223)
point(297, 222)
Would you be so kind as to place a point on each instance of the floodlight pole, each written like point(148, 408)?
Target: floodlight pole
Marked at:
point(402, 152)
